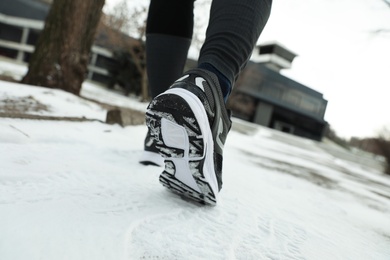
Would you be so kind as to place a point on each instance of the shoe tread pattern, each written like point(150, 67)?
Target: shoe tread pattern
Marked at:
point(166, 106)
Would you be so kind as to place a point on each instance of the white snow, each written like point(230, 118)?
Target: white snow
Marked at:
point(75, 190)
point(11, 68)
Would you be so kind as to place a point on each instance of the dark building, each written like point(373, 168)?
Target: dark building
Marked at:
point(14, 14)
point(30, 9)
point(264, 96)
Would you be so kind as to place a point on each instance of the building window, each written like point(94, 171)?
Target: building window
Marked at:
point(292, 97)
point(310, 105)
point(273, 90)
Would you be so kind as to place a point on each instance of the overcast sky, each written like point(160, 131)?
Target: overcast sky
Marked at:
point(343, 52)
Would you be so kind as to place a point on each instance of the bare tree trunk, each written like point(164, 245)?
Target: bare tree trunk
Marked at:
point(144, 87)
point(138, 55)
point(62, 52)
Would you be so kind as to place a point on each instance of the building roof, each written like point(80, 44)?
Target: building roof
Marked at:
point(277, 49)
point(30, 9)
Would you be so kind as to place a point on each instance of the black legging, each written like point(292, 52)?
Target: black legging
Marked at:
point(171, 17)
point(233, 30)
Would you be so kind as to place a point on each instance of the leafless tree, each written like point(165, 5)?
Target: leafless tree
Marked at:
point(62, 52)
point(121, 23)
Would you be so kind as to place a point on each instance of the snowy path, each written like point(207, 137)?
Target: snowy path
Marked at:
point(76, 191)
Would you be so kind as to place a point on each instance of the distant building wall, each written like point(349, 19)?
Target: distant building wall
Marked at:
point(264, 96)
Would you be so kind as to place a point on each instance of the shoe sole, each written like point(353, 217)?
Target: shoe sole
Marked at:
point(180, 126)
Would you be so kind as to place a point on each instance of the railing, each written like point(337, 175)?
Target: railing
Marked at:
point(96, 72)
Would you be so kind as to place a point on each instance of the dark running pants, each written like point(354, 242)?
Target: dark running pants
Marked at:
point(233, 30)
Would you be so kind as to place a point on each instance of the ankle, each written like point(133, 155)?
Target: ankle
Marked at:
point(224, 82)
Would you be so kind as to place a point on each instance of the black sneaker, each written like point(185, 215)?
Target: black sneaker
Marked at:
point(190, 124)
point(151, 155)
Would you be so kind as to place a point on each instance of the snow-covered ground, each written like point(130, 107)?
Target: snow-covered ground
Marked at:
point(75, 190)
